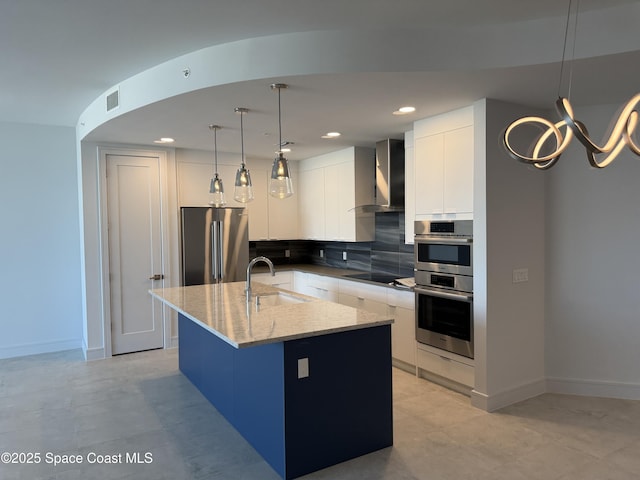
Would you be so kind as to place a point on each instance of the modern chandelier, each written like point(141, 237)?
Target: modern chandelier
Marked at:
point(557, 136)
point(280, 185)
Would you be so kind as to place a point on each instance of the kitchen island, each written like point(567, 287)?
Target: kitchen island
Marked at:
point(306, 382)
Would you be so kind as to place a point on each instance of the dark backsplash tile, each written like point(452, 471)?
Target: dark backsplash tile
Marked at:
point(386, 254)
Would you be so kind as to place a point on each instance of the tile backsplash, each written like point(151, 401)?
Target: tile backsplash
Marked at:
point(386, 254)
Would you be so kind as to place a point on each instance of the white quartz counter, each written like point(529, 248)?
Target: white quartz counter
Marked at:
point(224, 311)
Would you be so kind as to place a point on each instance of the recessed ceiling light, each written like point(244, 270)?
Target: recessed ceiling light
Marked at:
point(331, 135)
point(164, 140)
point(404, 110)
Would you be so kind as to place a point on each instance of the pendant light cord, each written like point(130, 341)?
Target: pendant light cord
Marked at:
point(215, 148)
point(279, 123)
point(573, 49)
point(242, 138)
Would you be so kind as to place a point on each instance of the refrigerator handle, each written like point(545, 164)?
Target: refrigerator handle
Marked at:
point(215, 270)
point(221, 251)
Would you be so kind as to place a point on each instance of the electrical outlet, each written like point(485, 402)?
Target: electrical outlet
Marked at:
point(344, 256)
point(303, 367)
point(520, 275)
point(321, 253)
point(287, 253)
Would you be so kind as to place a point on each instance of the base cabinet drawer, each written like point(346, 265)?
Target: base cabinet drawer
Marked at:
point(446, 367)
point(279, 280)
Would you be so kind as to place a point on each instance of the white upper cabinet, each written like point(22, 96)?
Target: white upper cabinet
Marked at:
point(269, 218)
point(443, 165)
point(331, 186)
point(311, 207)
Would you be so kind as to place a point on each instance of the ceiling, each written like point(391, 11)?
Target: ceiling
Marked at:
point(59, 56)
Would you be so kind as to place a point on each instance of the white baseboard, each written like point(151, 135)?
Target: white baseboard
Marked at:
point(95, 353)
point(594, 388)
point(490, 403)
point(37, 348)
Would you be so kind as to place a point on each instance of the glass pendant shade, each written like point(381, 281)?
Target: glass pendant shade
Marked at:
point(216, 189)
point(280, 185)
point(243, 188)
point(216, 192)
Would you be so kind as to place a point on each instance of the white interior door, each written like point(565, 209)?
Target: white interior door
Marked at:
point(135, 252)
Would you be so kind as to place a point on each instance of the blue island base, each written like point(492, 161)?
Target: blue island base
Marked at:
point(341, 410)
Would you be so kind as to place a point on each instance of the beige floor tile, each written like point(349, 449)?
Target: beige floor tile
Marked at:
point(142, 403)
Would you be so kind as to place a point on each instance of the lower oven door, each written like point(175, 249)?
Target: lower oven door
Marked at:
point(444, 319)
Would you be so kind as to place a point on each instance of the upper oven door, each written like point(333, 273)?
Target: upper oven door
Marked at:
point(445, 255)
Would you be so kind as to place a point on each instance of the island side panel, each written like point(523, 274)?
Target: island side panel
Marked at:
point(343, 409)
point(245, 385)
point(207, 364)
point(259, 401)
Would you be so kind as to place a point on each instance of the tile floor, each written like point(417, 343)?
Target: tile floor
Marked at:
point(140, 403)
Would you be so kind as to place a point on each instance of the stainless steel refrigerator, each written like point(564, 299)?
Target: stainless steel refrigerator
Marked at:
point(215, 245)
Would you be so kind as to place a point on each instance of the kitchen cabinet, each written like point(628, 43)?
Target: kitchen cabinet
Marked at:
point(443, 155)
point(280, 279)
point(269, 218)
point(318, 286)
point(387, 301)
point(458, 372)
point(403, 329)
point(368, 297)
point(444, 171)
point(283, 212)
point(449, 369)
point(331, 186)
point(312, 204)
point(372, 298)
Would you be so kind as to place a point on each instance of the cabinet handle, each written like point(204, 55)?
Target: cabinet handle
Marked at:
point(157, 276)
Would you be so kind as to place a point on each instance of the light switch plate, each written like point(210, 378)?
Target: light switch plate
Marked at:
point(520, 275)
point(303, 367)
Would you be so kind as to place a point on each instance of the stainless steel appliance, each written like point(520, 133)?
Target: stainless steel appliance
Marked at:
point(444, 246)
point(444, 285)
point(215, 245)
point(389, 178)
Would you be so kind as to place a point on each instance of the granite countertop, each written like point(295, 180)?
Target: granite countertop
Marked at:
point(334, 272)
point(224, 311)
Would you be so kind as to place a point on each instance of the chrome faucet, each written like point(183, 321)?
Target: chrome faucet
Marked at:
point(250, 266)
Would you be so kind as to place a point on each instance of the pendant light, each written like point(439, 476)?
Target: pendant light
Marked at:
point(216, 189)
point(243, 190)
point(556, 136)
point(280, 185)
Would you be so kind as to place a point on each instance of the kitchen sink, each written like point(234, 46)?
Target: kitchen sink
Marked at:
point(275, 299)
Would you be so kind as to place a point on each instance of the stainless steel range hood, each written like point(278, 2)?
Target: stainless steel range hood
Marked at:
point(389, 178)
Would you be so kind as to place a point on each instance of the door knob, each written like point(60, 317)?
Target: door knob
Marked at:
point(157, 276)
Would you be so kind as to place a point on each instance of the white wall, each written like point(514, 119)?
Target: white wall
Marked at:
point(593, 265)
point(40, 286)
point(509, 200)
point(96, 343)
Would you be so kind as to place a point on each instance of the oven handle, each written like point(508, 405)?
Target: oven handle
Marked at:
point(439, 293)
point(451, 240)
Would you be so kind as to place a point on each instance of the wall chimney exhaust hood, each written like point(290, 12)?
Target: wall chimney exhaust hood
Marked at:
point(389, 178)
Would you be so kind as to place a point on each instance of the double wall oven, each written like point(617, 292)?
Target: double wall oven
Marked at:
point(444, 285)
